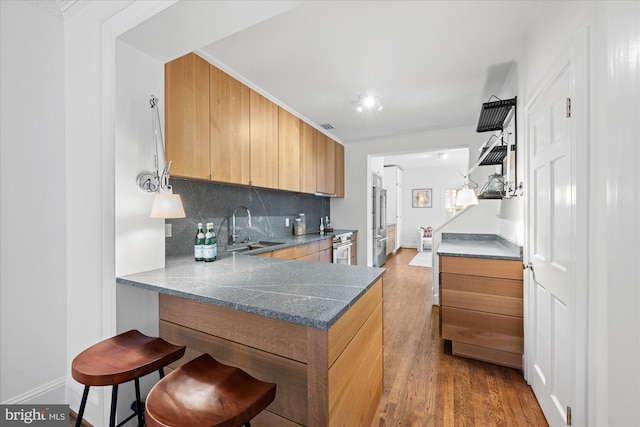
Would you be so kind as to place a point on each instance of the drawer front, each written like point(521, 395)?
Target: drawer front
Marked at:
point(506, 269)
point(296, 252)
point(487, 294)
point(495, 331)
point(499, 357)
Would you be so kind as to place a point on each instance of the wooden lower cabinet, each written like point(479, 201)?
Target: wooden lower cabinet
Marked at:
point(391, 238)
point(324, 377)
point(482, 308)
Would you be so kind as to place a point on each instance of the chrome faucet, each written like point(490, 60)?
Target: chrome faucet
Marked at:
point(234, 235)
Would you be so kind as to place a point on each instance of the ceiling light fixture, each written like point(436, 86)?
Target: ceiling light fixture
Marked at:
point(443, 156)
point(166, 204)
point(368, 103)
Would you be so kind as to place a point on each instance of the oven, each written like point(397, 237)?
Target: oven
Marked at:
point(342, 248)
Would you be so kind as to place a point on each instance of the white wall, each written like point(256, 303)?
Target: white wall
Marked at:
point(90, 196)
point(139, 244)
point(354, 210)
point(33, 308)
point(614, 231)
point(610, 288)
point(438, 179)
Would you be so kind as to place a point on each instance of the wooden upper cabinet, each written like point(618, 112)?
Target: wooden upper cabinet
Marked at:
point(187, 116)
point(325, 163)
point(339, 169)
point(308, 167)
point(289, 151)
point(264, 141)
point(219, 129)
point(230, 128)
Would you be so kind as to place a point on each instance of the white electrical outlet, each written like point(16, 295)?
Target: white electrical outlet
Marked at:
point(286, 222)
point(167, 230)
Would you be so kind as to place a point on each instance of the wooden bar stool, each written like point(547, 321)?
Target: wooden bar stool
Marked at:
point(206, 393)
point(120, 359)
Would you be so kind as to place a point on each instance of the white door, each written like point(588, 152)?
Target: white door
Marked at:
point(551, 247)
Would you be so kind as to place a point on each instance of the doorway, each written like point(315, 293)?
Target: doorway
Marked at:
point(555, 286)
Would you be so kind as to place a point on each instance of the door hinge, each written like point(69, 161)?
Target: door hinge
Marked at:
point(568, 415)
point(568, 108)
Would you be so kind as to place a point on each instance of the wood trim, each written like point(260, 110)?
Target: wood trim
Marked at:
point(506, 269)
point(289, 375)
point(341, 333)
point(275, 336)
point(317, 378)
point(488, 294)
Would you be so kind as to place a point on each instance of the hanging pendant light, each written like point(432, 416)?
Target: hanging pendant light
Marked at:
point(466, 196)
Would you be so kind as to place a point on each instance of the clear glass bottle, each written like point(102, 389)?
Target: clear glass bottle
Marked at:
point(210, 244)
point(198, 245)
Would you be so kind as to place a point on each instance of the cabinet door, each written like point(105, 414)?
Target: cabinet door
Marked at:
point(325, 161)
point(264, 141)
point(187, 116)
point(289, 151)
point(339, 169)
point(308, 141)
point(229, 119)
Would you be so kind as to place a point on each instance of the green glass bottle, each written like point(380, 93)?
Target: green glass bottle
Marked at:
point(198, 245)
point(210, 244)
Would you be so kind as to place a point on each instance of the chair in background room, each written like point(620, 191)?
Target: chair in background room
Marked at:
point(425, 238)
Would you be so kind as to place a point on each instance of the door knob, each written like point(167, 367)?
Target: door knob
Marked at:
point(528, 266)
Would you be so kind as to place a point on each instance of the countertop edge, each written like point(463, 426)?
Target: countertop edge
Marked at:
point(486, 246)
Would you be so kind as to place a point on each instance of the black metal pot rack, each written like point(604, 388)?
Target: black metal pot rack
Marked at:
point(492, 118)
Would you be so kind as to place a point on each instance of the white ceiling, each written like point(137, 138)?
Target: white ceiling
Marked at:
point(431, 63)
point(457, 158)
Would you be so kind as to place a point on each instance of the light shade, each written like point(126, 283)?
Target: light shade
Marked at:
point(466, 197)
point(167, 205)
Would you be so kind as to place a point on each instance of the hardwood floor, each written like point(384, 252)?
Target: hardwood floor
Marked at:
point(424, 385)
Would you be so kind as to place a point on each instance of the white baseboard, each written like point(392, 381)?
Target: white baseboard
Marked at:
point(52, 392)
point(92, 412)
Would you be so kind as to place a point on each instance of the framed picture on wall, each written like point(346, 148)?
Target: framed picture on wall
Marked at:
point(421, 198)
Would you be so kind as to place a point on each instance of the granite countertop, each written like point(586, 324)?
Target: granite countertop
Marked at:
point(307, 293)
point(489, 246)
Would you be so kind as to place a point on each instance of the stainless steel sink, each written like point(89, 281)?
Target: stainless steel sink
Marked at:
point(243, 247)
point(261, 244)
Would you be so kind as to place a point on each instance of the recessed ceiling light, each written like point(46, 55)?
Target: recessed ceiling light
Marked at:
point(368, 102)
point(443, 156)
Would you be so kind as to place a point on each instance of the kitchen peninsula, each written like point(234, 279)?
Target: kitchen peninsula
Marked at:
point(314, 329)
point(481, 289)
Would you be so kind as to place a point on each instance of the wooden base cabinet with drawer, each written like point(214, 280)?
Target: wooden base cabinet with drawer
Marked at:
point(482, 309)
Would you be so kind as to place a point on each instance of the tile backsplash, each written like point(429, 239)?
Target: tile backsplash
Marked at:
point(214, 202)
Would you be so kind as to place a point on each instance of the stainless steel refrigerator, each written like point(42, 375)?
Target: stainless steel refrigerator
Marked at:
point(379, 208)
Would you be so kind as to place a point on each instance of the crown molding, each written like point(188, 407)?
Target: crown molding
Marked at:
point(61, 8)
